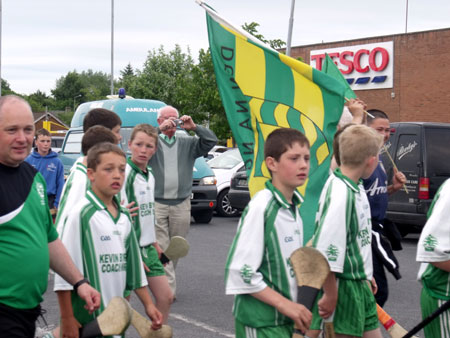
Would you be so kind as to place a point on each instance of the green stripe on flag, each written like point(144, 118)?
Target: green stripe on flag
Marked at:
point(263, 90)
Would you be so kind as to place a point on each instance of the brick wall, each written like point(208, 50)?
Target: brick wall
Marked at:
point(421, 89)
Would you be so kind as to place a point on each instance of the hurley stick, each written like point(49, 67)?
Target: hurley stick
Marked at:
point(444, 307)
point(178, 248)
point(144, 327)
point(391, 326)
point(311, 269)
point(114, 320)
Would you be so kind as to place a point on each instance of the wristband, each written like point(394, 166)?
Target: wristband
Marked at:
point(80, 282)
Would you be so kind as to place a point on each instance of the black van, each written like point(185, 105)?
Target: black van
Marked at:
point(421, 150)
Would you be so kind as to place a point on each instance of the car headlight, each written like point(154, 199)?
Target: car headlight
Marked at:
point(208, 180)
point(242, 182)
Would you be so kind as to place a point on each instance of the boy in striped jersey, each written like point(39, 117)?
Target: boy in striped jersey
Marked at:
point(101, 240)
point(258, 269)
point(77, 182)
point(433, 250)
point(343, 235)
point(139, 187)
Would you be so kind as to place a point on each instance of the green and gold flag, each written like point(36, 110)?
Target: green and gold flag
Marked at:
point(330, 68)
point(263, 90)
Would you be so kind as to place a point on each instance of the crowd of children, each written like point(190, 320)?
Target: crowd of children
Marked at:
point(258, 270)
point(117, 251)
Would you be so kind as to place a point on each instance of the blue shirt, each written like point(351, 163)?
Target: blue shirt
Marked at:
point(376, 190)
point(51, 167)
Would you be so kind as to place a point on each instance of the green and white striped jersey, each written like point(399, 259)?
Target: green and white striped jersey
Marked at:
point(74, 191)
point(343, 228)
point(269, 230)
point(434, 245)
point(104, 249)
point(139, 187)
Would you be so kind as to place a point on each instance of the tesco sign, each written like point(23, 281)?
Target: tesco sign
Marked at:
point(369, 66)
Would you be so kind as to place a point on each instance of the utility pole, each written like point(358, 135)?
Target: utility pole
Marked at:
point(112, 47)
point(291, 23)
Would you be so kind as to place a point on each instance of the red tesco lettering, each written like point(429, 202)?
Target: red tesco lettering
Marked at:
point(353, 61)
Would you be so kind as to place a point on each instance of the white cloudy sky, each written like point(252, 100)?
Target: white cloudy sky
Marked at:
point(42, 40)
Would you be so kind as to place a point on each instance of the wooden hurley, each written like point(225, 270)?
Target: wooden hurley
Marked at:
point(311, 270)
point(144, 327)
point(114, 320)
point(178, 248)
point(391, 326)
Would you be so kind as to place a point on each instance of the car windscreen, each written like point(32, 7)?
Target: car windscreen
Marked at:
point(438, 151)
point(227, 160)
point(73, 143)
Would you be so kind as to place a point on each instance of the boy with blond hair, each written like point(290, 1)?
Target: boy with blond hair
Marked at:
point(102, 242)
point(343, 235)
point(258, 269)
point(139, 188)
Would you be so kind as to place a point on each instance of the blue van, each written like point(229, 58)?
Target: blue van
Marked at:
point(132, 112)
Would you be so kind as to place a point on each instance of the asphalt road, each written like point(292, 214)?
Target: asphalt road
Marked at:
point(203, 310)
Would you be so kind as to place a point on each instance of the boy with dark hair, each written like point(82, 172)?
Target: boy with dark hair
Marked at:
point(258, 270)
point(103, 117)
point(343, 235)
point(102, 242)
point(77, 182)
point(139, 188)
point(49, 165)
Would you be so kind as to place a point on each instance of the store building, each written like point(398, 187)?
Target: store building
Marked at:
point(405, 75)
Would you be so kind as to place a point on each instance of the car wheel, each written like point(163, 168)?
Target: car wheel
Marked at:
point(224, 207)
point(203, 216)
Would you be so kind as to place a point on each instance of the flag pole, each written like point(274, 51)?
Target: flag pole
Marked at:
point(224, 22)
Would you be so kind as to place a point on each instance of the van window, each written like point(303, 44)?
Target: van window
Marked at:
point(438, 151)
point(408, 152)
point(73, 143)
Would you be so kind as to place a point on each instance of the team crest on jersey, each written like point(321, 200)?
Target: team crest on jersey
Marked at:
point(41, 192)
point(246, 273)
point(332, 253)
point(430, 243)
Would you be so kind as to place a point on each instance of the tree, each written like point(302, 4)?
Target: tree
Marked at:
point(89, 84)
point(252, 28)
point(166, 77)
point(40, 102)
point(67, 87)
point(6, 89)
point(205, 95)
point(128, 79)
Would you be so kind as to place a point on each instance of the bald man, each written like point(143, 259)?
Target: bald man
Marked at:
point(172, 166)
point(29, 243)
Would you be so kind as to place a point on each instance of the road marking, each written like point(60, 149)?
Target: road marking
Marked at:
point(202, 325)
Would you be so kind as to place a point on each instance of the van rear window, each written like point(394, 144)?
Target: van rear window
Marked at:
point(408, 152)
point(438, 151)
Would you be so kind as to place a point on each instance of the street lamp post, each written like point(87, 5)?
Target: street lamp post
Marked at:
point(291, 24)
point(75, 97)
